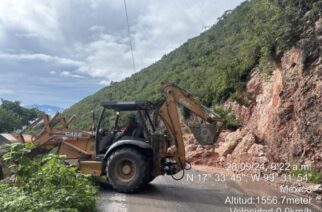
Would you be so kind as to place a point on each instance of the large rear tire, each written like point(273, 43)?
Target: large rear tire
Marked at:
point(127, 170)
point(149, 178)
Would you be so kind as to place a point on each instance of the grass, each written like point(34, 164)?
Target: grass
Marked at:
point(312, 174)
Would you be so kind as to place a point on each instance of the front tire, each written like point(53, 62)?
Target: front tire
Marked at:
point(127, 170)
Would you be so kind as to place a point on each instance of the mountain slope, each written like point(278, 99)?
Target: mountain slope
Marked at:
point(216, 64)
point(282, 124)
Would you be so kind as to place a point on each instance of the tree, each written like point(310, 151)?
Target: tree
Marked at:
point(13, 116)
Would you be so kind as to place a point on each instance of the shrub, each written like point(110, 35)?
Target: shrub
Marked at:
point(45, 183)
point(241, 98)
point(230, 121)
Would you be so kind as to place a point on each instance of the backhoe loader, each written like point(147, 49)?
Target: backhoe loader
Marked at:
point(154, 148)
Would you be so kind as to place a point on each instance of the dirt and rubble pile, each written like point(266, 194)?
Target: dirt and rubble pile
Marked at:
point(232, 147)
point(283, 123)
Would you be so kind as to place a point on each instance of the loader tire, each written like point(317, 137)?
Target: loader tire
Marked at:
point(149, 177)
point(127, 170)
point(149, 180)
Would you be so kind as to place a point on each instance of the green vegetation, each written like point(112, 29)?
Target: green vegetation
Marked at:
point(310, 174)
point(217, 63)
point(44, 184)
point(241, 98)
point(231, 122)
point(13, 116)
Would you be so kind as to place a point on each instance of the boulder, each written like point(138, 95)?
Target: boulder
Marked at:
point(256, 150)
point(200, 148)
point(247, 141)
point(317, 188)
point(191, 148)
point(231, 141)
point(208, 147)
point(189, 138)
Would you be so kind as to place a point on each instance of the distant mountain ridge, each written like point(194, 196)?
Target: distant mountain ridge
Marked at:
point(48, 109)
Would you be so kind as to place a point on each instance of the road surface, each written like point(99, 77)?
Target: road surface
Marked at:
point(199, 191)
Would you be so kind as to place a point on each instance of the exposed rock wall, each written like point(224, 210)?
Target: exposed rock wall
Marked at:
point(287, 114)
point(284, 121)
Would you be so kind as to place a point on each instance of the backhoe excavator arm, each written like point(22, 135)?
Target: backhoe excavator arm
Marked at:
point(169, 113)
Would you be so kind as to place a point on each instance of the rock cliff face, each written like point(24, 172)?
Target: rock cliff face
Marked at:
point(284, 119)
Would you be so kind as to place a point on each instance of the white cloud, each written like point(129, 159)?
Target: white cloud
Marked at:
point(37, 17)
point(6, 91)
point(104, 82)
point(159, 29)
point(27, 35)
point(69, 74)
point(107, 58)
point(42, 57)
point(2, 32)
point(87, 40)
point(156, 27)
point(97, 28)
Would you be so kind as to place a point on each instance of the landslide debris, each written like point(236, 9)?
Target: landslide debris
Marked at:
point(283, 122)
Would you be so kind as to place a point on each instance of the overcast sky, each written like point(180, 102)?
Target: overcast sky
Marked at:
point(60, 51)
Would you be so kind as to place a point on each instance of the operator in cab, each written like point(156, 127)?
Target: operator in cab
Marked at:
point(132, 128)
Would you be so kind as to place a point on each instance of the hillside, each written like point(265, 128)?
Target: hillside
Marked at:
point(283, 122)
point(216, 65)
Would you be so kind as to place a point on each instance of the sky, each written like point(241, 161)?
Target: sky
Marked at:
point(57, 52)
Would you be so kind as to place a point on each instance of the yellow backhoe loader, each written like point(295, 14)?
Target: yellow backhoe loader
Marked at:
point(154, 146)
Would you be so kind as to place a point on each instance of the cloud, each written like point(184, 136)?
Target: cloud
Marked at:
point(41, 57)
point(98, 46)
point(2, 34)
point(26, 35)
point(37, 17)
point(61, 51)
point(104, 82)
point(97, 28)
point(68, 74)
point(159, 29)
point(107, 58)
point(6, 91)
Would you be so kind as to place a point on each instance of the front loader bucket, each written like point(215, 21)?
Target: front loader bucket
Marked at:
point(205, 134)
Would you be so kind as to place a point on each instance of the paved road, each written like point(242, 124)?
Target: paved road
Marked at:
point(204, 193)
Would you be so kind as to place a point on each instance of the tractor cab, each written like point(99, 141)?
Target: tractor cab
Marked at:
point(124, 120)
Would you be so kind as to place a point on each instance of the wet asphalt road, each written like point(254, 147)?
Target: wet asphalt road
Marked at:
point(203, 193)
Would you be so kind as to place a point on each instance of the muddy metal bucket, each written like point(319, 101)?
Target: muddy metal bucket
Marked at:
point(205, 134)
